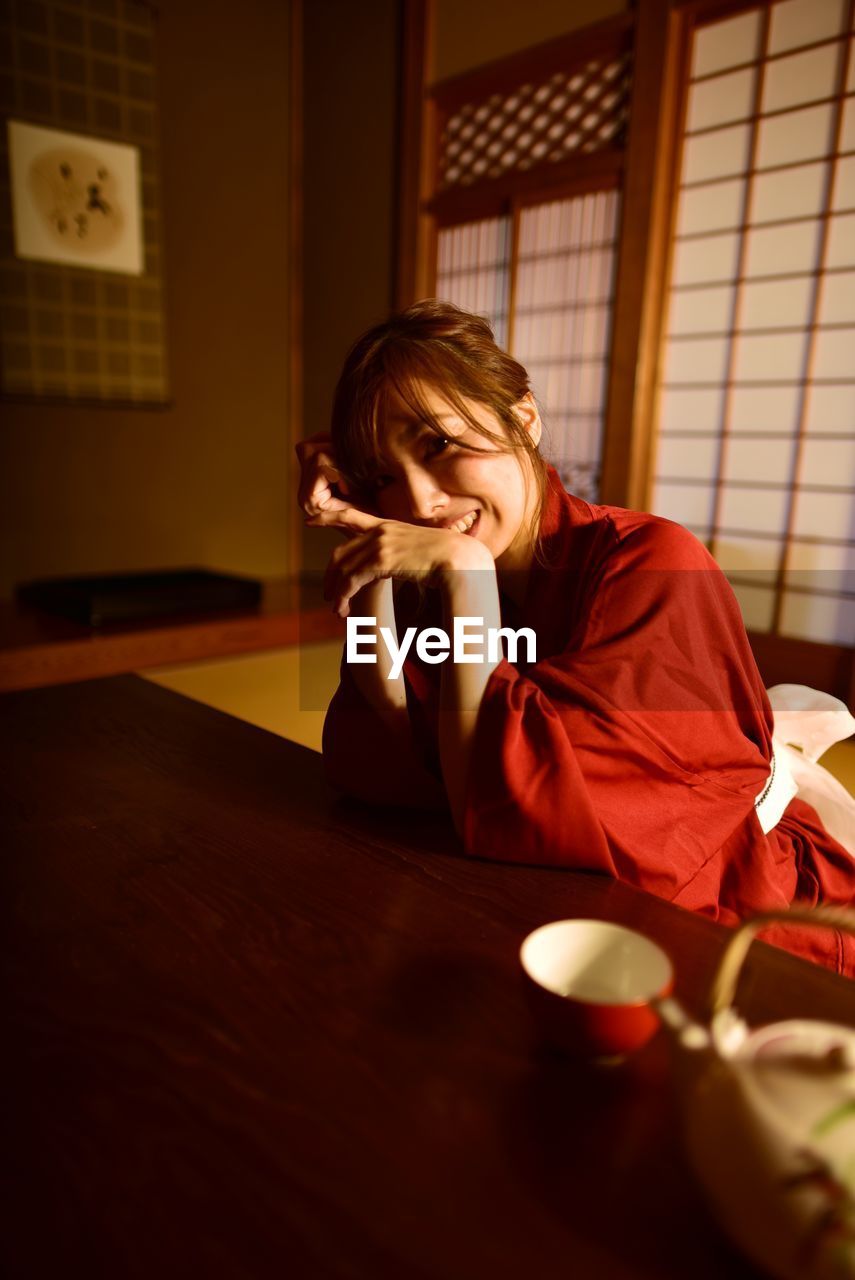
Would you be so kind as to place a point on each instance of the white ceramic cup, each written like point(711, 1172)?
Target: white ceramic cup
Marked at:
point(590, 985)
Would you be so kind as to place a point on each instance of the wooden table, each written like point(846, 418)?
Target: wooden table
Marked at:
point(252, 1030)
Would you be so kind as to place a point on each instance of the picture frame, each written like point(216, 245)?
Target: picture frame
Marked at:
point(75, 199)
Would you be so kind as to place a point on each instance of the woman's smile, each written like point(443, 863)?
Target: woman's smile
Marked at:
point(471, 523)
point(459, 480)
point(465, 525)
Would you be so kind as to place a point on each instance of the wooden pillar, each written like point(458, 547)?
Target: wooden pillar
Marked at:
point(416, 150)
point(654, 113)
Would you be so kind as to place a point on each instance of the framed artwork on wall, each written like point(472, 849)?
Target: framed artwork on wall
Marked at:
point(75, 199)
point(83, 320)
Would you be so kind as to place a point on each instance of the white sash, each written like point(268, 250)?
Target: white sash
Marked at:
point(807, 723)
point(778, 791)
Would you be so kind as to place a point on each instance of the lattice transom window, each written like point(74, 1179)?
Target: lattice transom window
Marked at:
point(574, 112)
point(756, 439)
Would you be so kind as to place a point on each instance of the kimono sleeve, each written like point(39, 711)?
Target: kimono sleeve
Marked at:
point(363, 758)
point(638, 750)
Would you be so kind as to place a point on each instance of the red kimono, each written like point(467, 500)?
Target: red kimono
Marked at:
point(638, 742)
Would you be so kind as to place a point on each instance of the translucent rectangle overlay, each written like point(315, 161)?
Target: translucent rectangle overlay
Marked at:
point(643, 640)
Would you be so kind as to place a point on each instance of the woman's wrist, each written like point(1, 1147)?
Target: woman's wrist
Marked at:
point(387, 694)
point(375, 601)
point(469, 584)
point(466, 553)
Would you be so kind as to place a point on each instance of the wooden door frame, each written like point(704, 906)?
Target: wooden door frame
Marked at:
point(643, 246)
point(417, 141)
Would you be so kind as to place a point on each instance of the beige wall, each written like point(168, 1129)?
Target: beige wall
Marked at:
point(349, 194)
point(472, 32)
point(204, 480)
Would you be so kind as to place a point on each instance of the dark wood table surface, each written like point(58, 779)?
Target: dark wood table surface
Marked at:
point(253, 1030)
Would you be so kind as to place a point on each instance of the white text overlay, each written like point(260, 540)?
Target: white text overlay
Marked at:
point(469, 642)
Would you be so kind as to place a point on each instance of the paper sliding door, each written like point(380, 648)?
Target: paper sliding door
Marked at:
point(545, 279)
point(755, 443)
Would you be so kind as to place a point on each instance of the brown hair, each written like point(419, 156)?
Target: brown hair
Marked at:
point(440, 345)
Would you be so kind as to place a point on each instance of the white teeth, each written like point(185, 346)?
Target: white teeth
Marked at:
point(464, 525)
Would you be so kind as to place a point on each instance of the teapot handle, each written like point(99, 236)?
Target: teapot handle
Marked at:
point(724, 984)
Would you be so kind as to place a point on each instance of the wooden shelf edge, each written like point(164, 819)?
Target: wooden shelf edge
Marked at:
point(93, 656)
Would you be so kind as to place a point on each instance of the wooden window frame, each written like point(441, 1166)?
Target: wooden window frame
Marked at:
point(647, 35)
point(425, 107)
point(511, 207)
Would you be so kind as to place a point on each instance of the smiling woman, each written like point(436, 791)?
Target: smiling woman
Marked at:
point(640, 742)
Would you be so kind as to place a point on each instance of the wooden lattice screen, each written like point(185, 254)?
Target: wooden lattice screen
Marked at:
point(571, 112)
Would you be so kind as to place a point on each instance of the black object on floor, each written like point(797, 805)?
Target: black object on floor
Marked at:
point(104, 598)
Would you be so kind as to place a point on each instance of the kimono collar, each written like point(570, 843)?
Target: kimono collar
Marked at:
point(557, 574)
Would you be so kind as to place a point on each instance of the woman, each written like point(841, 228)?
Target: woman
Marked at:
point(639, 743)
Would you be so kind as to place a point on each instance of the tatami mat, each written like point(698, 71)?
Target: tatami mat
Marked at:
point(284, 690)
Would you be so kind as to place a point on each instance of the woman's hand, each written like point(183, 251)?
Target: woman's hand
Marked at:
point(322, 486)
point(379, 549)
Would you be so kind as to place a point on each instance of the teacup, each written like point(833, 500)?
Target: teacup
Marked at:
point(591, 984)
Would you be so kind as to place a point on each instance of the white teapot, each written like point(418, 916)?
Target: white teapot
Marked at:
point(769, 1118)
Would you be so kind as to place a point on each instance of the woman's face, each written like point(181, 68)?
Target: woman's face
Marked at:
point(433, 480)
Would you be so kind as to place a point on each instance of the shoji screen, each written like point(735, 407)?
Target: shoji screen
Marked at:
point(526, 168)
point(562, 322)
point(473, 270)
point(561, 279)
point(756, 425)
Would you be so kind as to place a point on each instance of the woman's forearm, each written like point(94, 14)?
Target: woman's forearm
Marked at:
point(470, 593)
point(368, 745)
point(387, 696)
point(469, 589)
